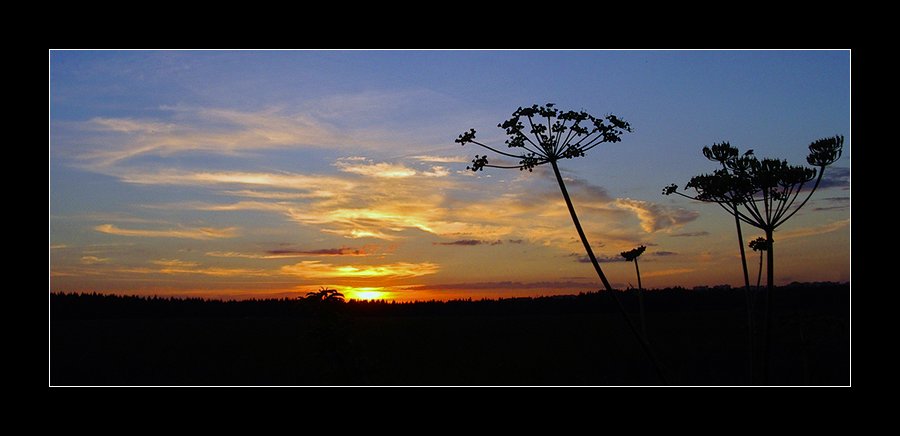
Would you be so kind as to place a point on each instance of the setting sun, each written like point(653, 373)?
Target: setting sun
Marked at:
point(366, 293)
point(369, 295)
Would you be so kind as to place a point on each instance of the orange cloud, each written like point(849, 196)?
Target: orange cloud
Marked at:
point(93, 260)
point(186, 233)
point(313, 269)
point(667, 272)
point(293, 253)
point(177, 266)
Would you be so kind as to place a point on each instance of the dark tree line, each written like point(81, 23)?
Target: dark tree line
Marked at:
point(680, 300)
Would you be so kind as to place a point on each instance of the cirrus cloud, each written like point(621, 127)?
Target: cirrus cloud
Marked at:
point(185, 233)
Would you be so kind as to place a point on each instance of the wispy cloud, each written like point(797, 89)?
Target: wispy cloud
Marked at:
point(175, 263)
point(689, 234)
point(468, 242)
point(810, 231)
point(667, 272)
point(372, 169)
point(319, 186)
point(583, 258)
point(441, 159)
point(654, 217)
point(314, 269)
point(292, 253)
point(207, 130)
point(185, 233)
point(835, 177)
point(93, 260)
point(836, 203)
point(436, 171)
point(342, 251)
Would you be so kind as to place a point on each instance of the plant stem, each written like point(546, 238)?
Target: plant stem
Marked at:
point(740, 235)
point(587, 247)
point(641, 301)
point(749, 300)
point(759, 276)
point(767, 315)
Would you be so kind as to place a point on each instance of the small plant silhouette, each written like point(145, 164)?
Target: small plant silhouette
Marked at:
point(632, 256)
point(761, 245)
point(549, 136)
point(325, 295)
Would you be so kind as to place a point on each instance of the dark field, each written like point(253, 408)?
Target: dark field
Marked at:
point(700, 336)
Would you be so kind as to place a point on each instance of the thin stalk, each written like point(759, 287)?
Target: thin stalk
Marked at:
point(759, 275)
point(747, 296)
point(587, 247)
point(767, 314)
point(641, 301)
point(740, 235)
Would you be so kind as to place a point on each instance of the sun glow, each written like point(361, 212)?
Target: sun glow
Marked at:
point(366, 293)
point(369, 295)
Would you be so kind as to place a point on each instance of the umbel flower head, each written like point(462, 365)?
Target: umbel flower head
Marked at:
point(633, 254)
point(722, 152)
point(825, 151)
point(759, 244)
point(541, 134)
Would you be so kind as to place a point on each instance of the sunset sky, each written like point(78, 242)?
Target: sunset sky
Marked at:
point(243, 174)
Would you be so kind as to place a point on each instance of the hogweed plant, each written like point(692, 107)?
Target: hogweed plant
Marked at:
point(632, 256)
point(766, 193)
point(542, 135)
point(725, 188)
point(724, 183)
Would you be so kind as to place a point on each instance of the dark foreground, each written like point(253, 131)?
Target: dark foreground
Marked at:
point(700, 336)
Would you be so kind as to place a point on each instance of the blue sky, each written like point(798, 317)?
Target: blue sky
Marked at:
point(176, 172)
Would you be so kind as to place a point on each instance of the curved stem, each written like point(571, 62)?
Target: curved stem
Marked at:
point(587, 247)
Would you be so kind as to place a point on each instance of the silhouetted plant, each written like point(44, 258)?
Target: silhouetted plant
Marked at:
point(728, 191)
point(761, 245)
point(767, 189)
point(632, 256)
point(325, 295)
point(555, 135)
point(725, 188)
